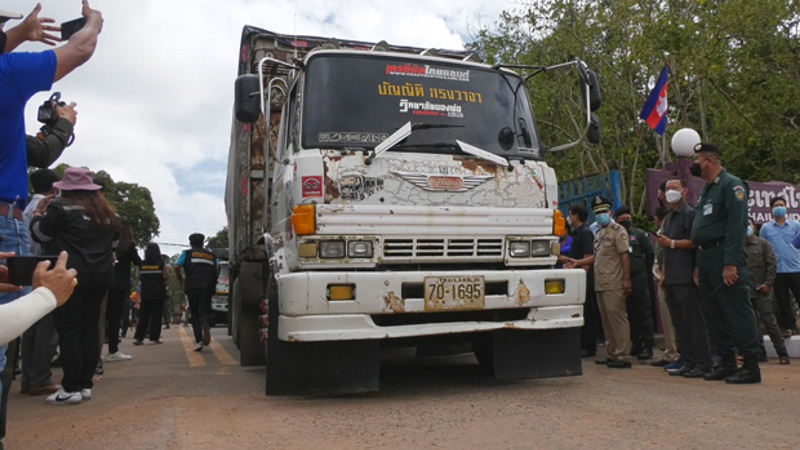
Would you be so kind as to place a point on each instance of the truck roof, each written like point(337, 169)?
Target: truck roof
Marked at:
point(303, 44)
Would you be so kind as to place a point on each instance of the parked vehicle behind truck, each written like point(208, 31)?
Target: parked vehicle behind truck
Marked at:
point(381, 195)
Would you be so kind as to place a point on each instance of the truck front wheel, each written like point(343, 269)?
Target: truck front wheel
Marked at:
point(326, 368)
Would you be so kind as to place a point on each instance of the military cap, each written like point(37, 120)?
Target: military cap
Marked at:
point(705, 147)
point(600, 203)
point(622, 210)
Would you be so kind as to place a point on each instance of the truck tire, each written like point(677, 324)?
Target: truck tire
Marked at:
point(249, 290)
point(521, 354)
point(318, 368)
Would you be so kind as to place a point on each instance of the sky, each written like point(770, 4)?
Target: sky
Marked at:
point(155, 101)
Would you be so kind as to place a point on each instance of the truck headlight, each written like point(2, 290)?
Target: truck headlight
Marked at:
point(540, 248)
point(519, 249)
point(331, 249)
point(359, 249)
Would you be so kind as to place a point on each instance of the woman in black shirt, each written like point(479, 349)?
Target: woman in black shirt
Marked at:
point(82, 223)
point(153, 274)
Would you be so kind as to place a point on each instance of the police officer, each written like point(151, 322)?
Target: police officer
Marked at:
point(638, 306)
point(762, 265)
point(612, 283)
point(200, 266)
point(719, 231)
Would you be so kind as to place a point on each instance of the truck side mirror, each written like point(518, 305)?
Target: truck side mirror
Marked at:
point(247, 103)
point(595, 96)
point(593, 135)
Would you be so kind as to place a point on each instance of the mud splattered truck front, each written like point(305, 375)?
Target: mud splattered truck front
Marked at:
point(391, 196)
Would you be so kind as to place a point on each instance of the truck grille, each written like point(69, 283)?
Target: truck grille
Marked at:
point(424, 248)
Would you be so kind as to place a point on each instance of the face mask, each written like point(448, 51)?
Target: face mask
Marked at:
point(569, 220)
point(695, 169)
point(750, 231)
point(779, 211)
point(626, 223)
point(673, 196)
point(603, 219)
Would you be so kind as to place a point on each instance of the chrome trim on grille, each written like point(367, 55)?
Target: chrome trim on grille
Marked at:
point(402, 248)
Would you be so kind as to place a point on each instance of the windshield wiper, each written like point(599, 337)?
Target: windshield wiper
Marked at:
point(480, 153)
point(402, 133)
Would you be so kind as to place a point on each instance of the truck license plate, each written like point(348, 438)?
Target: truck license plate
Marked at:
point(455, 293)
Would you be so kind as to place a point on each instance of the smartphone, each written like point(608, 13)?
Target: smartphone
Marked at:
point(21, 268)
point(71, 27)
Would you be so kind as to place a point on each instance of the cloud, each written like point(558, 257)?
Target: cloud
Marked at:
point(155, 101)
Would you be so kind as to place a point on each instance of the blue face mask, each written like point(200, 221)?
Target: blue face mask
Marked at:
point(603, 219)
point(779, 211)
point(750, 231)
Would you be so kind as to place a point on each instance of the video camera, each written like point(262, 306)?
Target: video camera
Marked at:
point(48, 115)
point(47, 111)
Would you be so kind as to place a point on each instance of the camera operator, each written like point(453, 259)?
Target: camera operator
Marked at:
point(57, 133)
point(44, 148)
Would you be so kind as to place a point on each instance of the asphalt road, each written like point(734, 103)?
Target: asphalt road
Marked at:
point(169, 397)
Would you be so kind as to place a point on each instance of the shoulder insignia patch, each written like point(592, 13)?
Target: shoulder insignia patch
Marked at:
point(739, 192)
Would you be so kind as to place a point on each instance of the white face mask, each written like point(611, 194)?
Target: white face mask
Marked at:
point(673, 196)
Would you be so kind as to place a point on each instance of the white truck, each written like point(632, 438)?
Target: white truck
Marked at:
point(380, 195)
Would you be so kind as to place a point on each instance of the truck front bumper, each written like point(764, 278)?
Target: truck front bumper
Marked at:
point(307, 315)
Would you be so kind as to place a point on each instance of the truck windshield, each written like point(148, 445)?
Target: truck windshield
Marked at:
point(354, 100)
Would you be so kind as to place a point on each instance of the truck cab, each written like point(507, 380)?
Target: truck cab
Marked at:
point(406, 202)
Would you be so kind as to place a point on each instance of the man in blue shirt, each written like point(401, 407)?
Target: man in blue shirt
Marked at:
point(21, 76)
point(780, 232)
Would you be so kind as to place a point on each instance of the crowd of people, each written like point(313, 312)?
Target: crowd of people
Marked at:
point(68, 308)
point(712, 274)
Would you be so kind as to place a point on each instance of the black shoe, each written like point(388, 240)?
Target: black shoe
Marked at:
point(617, 364)
point(720, 373)
point(588, 353)
point(647, 353)
point(695, 373)
point(661, 363)
point(602, 362)
point(745, 375)
point(98, 370)
point(682, 371)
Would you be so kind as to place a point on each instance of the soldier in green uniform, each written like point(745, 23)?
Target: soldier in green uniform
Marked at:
point(640, 316)
point(718, 231)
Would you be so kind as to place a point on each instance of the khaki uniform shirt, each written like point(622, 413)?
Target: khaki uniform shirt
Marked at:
point(609, 243)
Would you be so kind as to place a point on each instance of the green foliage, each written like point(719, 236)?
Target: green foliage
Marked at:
point(734, 77)
point(132, 202)
point(219, 240)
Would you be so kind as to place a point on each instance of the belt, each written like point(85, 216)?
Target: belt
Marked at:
point(4, 211)
point(710, 245)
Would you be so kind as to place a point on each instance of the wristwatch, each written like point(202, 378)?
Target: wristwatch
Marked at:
point(672, 244)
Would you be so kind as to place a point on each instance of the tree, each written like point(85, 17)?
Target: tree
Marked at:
point(219, 240)
point(734, 77)
point(132, 202)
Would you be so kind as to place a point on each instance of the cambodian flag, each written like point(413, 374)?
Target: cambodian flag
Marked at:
point(655, 109)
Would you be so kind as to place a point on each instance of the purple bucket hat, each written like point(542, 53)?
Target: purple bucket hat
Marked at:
point(77, 179)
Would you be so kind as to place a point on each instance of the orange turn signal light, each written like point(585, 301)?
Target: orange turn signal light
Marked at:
point(304, 219)
point(559, 223)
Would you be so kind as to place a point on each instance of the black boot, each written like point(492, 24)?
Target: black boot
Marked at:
point(726, 369)
point(645, 354)
point(749, 373)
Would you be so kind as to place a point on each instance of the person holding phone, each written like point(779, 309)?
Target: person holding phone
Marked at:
point(85, 225)
point(51, 289)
